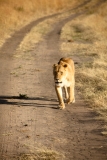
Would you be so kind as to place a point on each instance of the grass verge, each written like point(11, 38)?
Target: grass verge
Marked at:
point(40, 155)
point(16, 14)
point(85, 38)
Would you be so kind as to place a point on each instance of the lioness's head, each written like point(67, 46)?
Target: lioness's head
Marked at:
point(60, 73)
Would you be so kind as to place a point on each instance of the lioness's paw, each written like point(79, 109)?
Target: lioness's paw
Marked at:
point(71, 101)
point(68, 102)
point(61, 106)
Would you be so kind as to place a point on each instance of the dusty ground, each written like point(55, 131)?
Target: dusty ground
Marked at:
point(34, 123)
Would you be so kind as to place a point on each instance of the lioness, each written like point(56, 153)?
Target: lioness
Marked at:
point(64, 73)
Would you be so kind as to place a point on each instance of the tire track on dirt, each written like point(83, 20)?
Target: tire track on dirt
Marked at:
point(78, 132)
point(14, 136)
point(12, 43)
point(34, 123)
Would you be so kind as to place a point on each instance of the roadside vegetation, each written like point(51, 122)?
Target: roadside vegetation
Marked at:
point(16, 14)
point(85, 38)
point(40, 155)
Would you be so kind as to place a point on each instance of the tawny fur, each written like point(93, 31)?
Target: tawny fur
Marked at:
point(64, 77)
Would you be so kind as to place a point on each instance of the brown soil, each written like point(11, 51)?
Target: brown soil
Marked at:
point(34, 122)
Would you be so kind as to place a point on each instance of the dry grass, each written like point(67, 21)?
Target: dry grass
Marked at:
point(16, 14)
point(40, 155)
point(34, 36)
point(37, 34)
point(86, 38)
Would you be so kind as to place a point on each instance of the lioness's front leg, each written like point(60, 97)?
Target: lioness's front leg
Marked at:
point(60, 98)
point(66, 93)
point(71, 98)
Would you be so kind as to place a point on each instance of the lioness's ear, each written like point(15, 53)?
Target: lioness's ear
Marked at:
point(65, 65)
point(54, 65)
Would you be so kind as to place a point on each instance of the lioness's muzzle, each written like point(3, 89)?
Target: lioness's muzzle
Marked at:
point(58, 82)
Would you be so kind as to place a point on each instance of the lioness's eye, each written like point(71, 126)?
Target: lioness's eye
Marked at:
point(61, 73)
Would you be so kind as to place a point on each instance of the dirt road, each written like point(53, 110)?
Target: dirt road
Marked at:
point(32, 123)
